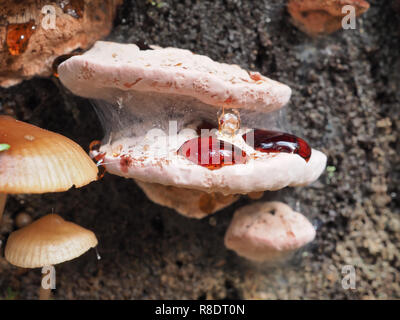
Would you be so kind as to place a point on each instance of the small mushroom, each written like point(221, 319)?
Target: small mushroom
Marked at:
point(22, 220)
point(155, 105)
point(268, 232)
point(316, 17)
point(48, 241)
point(40, 161)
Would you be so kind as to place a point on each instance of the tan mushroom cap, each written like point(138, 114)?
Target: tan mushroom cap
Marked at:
point(41, 161)
point(48, 241)
point(268, 231)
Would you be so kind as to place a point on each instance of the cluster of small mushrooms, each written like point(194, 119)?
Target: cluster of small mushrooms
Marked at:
point(39, 161)
point(194, 134)
point(35, 36)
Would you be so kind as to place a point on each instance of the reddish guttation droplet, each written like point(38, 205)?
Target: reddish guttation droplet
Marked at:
point(212, 153)
point(275, 141)
point(18, 35)
point(94, 147)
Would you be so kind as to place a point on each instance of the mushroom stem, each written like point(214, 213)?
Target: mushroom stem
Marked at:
point(3, 199)
point(44, 294)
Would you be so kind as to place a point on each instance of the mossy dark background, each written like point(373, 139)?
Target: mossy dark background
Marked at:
point(345, 102)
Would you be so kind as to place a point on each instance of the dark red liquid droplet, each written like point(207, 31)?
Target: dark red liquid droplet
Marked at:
point(275, 141)
point(212, 153)
point(18, 35)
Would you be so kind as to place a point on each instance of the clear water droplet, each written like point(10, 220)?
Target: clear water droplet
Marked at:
point(229, 123)
point(97, 254)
